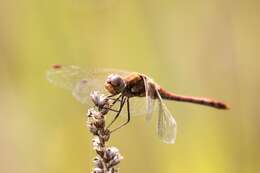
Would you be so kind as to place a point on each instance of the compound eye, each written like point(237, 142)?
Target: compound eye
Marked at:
point(116, 80)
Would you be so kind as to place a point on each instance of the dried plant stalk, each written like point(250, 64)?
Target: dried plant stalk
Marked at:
point(107, 157)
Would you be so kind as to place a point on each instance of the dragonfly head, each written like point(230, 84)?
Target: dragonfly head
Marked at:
point(115, 84)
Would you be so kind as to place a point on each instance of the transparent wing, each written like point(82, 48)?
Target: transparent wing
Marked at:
point(95, 80)
point(79, 81)
point(149, 95)
point(137, 107)
point(167, 126)
point(143, 105)
point(65, 76)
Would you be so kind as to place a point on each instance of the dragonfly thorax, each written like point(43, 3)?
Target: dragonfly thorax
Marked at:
point(115, 84)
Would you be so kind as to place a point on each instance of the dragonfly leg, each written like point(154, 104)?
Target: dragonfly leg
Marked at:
point(114, 102)
point(111, 95)
point(119, 111)
point(128, 117)
point(116, 99)
point(113, 110)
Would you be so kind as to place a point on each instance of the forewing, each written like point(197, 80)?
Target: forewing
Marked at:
point(81, 82)
point(149, 95)
point(94, 82)
point(167, 126)
point(65, 76)
point(143, 105)
point(137, 107)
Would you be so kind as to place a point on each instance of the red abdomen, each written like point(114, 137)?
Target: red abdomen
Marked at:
point(190, 99)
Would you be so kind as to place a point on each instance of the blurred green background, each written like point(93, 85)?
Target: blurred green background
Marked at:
point(202, 47)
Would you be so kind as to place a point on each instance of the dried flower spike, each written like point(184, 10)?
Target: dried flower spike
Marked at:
point(107, 157)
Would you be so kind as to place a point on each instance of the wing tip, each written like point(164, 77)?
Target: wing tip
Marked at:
point(170, 141)
point(56, 66)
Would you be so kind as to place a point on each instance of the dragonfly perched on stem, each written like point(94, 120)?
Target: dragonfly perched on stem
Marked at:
point(125, 88)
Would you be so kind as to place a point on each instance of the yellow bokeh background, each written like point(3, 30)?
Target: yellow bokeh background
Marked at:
point(202, 48)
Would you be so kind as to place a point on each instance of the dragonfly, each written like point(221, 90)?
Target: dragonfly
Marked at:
point(140, 94)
